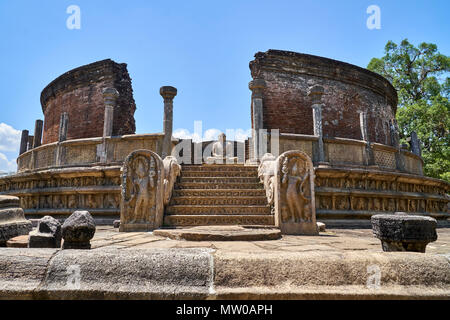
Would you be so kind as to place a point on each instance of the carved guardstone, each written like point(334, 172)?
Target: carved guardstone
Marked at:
point(295, 208)
point(142, 189)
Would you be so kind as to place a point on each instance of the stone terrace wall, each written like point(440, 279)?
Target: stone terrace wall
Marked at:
point(348, 91)
point(79, 93)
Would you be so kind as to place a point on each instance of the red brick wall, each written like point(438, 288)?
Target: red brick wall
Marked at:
point(79, 93)
point(348, 90)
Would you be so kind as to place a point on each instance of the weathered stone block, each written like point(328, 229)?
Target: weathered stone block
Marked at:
point(12, 219)
point(78, 230)
point(47, 235)
point(402, 232)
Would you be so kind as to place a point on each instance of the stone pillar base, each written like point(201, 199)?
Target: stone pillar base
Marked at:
point(76, 245)
point(393, 246)
point(136, 227)
point(302, 228)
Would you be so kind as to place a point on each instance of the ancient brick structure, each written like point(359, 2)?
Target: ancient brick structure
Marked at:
point(79, 93)
point(341, 116)
point(348, 91)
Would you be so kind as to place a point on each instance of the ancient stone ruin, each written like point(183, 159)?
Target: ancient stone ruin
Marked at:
point(337, 119)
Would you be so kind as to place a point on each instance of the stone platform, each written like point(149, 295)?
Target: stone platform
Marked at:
point(337, 264)
point(221, 233)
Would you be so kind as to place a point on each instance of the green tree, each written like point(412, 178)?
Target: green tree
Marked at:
point(420, 75)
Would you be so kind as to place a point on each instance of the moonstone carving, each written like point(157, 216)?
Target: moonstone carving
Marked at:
point(141, 207)
point(295, 209)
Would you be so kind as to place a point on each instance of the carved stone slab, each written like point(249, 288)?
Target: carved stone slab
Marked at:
point(142, 192)
point(295, 208)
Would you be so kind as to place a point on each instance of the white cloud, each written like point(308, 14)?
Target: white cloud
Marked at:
point(9, 138)
point(211, 134)
point(6, 165)
point(185, 134)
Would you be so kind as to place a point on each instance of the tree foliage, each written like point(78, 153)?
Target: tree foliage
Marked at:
point(420, 75)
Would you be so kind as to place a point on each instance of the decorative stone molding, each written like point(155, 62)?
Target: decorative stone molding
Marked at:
point(142, 190)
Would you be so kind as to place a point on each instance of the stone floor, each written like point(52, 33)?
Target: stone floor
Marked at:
point(331, 240)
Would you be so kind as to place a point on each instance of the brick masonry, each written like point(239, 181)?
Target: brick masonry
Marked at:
point(79, 93)
point(348, 90)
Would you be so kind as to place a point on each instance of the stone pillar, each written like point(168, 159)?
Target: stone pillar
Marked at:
point(415, 144)
point(316, 92)
point(24, 142)
point(363, 126)
point(63, 123)
point(38, 133)
point(168, 93)
point(30, 142)
point(257, 87)
point(370, 158)
point(110, 96)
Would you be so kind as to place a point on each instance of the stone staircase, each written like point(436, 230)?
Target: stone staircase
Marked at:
point(218, 195)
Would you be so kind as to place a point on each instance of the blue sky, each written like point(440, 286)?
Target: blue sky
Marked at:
point(201, 47)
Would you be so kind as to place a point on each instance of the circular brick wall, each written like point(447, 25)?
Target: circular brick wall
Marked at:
point(348, 91)
point(79, 93)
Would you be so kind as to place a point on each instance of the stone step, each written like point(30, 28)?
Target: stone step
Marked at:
point(219, 201)
point(203, 220)
point(219, 180)
point(209, 186)
point(218, 168)
point(219, 193)
point(192, 174)
point(217, 210)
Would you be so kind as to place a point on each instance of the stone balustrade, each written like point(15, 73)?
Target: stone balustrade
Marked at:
point(87, 152)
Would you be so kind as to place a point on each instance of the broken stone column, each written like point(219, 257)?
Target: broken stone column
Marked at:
point(12, 219)
point(78, 230)
point(257, 87)
point(38, 133)
point(370, 160)
point(30, 142)
point(415, 144)
point(316, 92)
point(403, 232)
point(63, 124)
point(23, 142)
point(168, 93)
point(47, 234)
point(110, 96)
